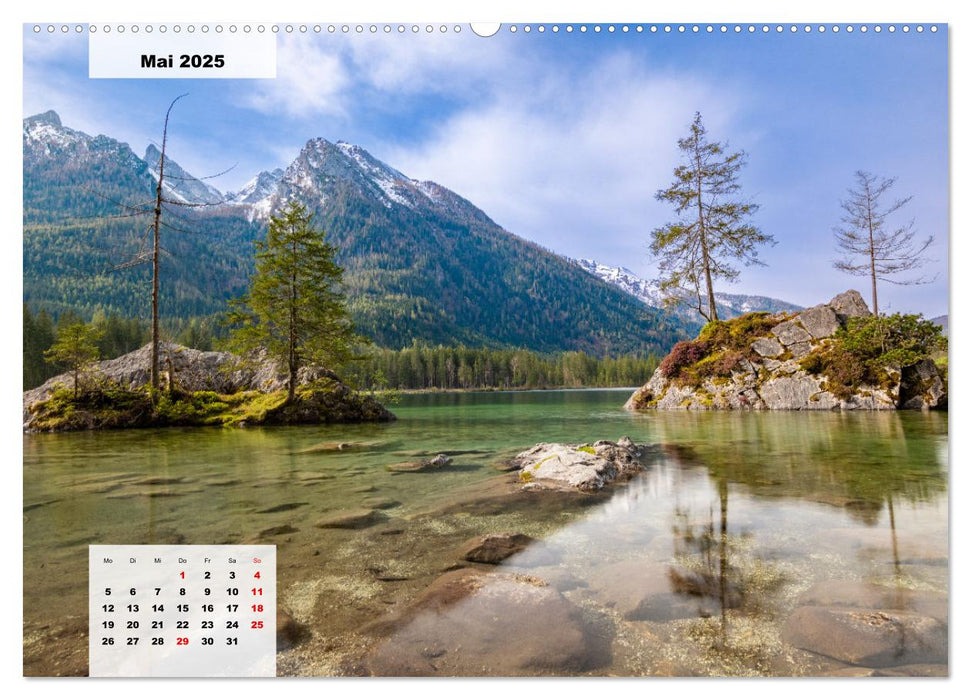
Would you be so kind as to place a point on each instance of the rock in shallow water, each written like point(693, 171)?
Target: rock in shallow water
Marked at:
point(289, 632)
point(497, 547)
point(656, 592)
point(860, 594)
point(278, 530)
point(874, 638)
point(352, 519)
point(583, 467)
point(422, 465)
point(470, 623)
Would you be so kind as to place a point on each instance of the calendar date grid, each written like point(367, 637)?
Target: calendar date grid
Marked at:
point(182, 612)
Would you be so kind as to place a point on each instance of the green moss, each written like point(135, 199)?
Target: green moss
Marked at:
point(586, 448)
point(860, 354)
point(110, 406)
point(738, 333)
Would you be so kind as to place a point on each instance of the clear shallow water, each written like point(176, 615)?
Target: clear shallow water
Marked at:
point(757, 507)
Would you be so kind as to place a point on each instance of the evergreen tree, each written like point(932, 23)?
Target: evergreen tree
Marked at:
point(869, 248)
point(695, 250)
point(75, 349)
point(294, 308)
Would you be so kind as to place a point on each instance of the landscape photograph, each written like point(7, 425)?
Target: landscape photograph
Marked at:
point(569, 350)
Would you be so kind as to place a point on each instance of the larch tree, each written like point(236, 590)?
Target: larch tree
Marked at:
point(711, 230)
point(871, 247)
point(295, 308)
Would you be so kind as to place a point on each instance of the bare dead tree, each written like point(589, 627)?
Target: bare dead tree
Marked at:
point(152, 250)
point(870, 248)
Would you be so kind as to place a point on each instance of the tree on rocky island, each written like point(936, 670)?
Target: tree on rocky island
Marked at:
point(294, 309)
point(868, 246)
point(76, 349)
point(695, 250)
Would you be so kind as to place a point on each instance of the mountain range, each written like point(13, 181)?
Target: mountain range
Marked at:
point(421, 262)
point(649, 291)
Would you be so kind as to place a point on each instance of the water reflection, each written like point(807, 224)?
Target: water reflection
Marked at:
point(693, 568)
point(741, 526)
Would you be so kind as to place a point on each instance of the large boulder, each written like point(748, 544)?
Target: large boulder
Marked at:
point(820, 321)
point(474, 623)
point(921, 386)
point(583, 467)
point(188, 370)
point(849, 304)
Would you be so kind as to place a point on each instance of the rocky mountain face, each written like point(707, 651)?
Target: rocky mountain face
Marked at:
point(770, 376)
point(421, 262)
point(180, 186)
point(648, 291)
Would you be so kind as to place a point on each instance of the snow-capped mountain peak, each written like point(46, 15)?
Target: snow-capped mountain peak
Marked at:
point(179, 184)
point(649, 292)
point(257, 189)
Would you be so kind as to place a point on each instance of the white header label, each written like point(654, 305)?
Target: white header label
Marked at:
point(181, 54)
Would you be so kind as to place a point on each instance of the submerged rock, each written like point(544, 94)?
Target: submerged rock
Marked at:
point(470, 623)
point(648, 590)
point(860, 594)
point(278, 530)
point(584, 467)
point(874, 638)
point(289, 632)
point(422, 465)
point(352, 519)
point(282, 508)
point(494, 548)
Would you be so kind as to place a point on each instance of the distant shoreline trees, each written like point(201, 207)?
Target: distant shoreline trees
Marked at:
point(868, 247)
point(695, 250)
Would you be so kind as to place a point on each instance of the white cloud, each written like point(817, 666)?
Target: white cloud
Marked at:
point(325, 75)
point(563, 158)
point(434, 62)
point(311, 80)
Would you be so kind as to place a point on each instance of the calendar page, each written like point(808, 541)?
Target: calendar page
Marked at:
point(182, 610)
point(516, 349)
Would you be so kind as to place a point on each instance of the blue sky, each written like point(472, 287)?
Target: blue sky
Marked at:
point(564, 138)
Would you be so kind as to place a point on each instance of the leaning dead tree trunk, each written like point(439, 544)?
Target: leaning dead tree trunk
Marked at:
point(155, 247)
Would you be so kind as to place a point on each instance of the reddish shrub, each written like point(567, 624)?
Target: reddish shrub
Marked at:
point(726, 363)
point(682, 355)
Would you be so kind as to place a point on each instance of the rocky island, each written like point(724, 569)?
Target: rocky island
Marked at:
point(833, 356)
point(201, 388)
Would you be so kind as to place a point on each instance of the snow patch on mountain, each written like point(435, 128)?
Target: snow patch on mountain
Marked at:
point(729, 305)
point(179, 183)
